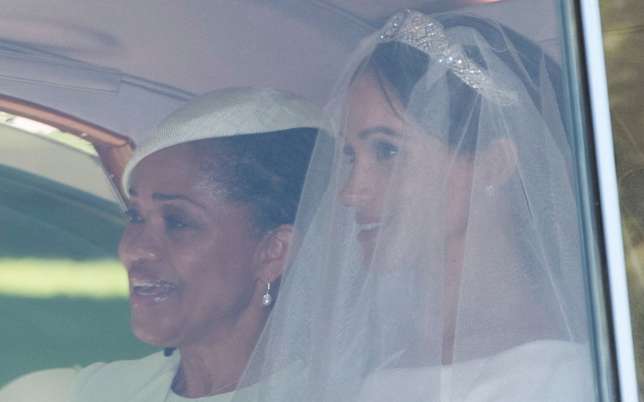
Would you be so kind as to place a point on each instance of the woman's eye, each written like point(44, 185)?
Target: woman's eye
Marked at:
point(385, 150)
point(133, 216)
point(175, 223)
point(349, 155)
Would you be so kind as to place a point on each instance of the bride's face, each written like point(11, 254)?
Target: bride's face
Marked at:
point(402, 182)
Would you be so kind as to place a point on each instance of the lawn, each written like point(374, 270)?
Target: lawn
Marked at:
point(60, 313)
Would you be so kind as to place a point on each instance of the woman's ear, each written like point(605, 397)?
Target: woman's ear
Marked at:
point(500, 161)
point(273, 253)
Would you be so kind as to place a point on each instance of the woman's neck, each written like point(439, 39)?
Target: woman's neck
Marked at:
point(215, 365)
point(456, 278)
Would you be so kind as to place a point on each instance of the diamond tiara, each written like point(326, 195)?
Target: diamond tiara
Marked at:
point(424, 33)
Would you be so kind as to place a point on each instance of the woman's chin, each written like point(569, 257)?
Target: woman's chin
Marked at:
point(158, 328)
point(367, 252)
point(154, 334)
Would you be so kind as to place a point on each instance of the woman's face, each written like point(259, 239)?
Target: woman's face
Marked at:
point(189, 252)
point(400, 177)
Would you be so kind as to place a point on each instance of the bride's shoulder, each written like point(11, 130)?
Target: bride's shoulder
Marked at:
point(535, 371)
point(536, 355)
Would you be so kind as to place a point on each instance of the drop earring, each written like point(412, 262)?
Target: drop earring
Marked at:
point(267, 299)
point(489, 190)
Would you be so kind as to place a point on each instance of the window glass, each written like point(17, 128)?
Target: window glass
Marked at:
point(63, 291)
point(328, 200)
point(623, 26)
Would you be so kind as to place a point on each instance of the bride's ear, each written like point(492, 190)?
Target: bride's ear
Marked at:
point(273, 252)
point(499, 161)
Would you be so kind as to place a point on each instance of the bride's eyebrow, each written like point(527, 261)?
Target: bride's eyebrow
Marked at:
point(377, 130)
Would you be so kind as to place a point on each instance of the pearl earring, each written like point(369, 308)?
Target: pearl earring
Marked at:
point(267, 299)
point(489, 190)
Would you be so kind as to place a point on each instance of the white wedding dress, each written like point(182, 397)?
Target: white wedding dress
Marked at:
point(541, 371)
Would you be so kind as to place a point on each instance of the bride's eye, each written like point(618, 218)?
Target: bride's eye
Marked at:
point(385, 150)
point(175, 222)
point(349, 154)
point(133, 216)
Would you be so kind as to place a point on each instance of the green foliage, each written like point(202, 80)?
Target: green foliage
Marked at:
point(623, 29)
point(63, 332)
point(62, 291)
point(50, 220)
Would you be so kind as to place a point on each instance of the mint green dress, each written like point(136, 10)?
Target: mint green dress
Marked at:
point(144, 380)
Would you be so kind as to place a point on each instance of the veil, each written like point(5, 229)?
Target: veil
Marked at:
point(441, 260)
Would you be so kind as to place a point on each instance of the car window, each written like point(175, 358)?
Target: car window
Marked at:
point(82, 88)
point(61, 224)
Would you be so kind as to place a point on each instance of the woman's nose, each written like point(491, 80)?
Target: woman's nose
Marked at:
point(359, 187)
point(137, 246)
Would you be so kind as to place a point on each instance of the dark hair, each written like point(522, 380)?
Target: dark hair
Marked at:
point(399, 67)
point(265, 171)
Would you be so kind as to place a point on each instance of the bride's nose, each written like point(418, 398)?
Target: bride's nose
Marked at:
point(360, 187)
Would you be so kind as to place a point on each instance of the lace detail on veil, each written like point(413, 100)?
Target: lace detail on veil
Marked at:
point(428, 35)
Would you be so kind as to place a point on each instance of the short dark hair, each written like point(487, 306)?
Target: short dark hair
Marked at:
point(266, 171)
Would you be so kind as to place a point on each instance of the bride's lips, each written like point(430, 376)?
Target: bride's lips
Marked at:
point(368, 227)
point(147, 291)
point(368, 232)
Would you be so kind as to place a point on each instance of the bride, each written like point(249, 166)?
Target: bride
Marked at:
point(444, 263)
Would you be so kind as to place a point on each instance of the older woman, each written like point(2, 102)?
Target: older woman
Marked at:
point(213, 194)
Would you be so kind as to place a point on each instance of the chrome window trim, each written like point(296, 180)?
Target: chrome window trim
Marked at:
point(610, 213)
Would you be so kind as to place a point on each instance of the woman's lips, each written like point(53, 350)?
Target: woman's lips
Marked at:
point(368, 231)
point(145, 291)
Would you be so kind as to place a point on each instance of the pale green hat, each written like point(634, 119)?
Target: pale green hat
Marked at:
point(226, 113)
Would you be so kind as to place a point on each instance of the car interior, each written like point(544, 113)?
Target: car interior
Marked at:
point(82, 83)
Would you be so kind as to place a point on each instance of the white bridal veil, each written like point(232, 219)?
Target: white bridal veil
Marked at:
point(443, 261)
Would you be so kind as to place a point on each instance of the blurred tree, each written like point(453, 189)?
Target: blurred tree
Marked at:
point(623, 29)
